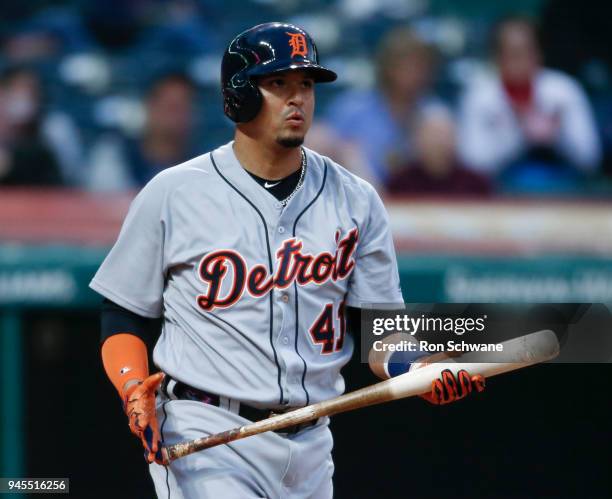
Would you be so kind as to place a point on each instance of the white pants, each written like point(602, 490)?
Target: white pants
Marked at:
point(267, 465)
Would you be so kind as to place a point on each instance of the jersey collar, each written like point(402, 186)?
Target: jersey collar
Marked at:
point(230, 168)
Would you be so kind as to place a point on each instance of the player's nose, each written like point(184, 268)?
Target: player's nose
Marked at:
point(297, 96)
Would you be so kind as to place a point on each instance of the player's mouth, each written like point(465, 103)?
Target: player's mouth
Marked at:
point(295, 119)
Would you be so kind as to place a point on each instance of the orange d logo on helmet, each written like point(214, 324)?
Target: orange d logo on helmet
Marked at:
point(297, 42)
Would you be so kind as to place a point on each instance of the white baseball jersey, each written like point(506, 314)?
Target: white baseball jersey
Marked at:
point(252, 292)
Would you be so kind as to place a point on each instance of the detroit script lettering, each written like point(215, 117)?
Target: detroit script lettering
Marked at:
point(293, 266)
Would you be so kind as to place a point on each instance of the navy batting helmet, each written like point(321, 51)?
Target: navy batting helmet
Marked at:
point(263, 50)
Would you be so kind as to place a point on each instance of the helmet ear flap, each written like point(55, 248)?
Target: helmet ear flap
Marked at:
point(242, 100)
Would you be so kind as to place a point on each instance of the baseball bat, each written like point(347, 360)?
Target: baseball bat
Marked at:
point(517, 353)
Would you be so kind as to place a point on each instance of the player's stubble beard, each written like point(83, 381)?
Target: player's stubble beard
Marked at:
point(290, 139)
point(290, 142)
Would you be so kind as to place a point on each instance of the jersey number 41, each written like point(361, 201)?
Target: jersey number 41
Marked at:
point(322, 332)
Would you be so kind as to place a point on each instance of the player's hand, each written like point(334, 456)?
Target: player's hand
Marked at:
point(139, 402)
point(449, 388)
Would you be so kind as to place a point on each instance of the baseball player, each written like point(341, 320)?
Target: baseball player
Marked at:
point(250, 257)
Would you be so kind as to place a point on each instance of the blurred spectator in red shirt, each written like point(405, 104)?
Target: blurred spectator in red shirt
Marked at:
point(119, 164)
point(436, 169)
point(25, 156)
point(536, 119)
point(370, 130)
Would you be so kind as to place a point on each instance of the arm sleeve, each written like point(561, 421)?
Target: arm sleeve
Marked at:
point(115, 319)
point(375, 277)
point(125, 358)
point(133, 273)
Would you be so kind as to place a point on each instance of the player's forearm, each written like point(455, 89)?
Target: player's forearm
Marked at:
point(387, 361)
point(382, 360)
point(125, 360)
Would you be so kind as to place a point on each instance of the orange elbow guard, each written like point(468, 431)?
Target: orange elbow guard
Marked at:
point(125, 358)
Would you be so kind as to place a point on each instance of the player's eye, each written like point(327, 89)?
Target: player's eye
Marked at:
point(308, 83)
point(277, 82)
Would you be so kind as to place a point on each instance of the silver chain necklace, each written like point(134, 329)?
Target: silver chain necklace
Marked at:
point(300, 181)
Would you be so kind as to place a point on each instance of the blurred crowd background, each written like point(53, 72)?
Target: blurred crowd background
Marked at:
point(434, 97)
point(486, 126)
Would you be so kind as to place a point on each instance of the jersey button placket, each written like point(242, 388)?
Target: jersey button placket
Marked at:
point(284, 342)
point(284, 299)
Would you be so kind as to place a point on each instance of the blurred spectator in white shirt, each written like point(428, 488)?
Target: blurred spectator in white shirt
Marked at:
point(526, 114)
point(371, 130)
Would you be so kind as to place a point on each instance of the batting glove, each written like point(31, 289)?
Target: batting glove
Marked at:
point(139, 402)
point(449, 388)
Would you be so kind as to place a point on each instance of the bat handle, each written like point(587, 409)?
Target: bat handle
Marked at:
point(165, 454)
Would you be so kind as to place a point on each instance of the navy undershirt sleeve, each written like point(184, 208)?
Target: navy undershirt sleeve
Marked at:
point(115, 319)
